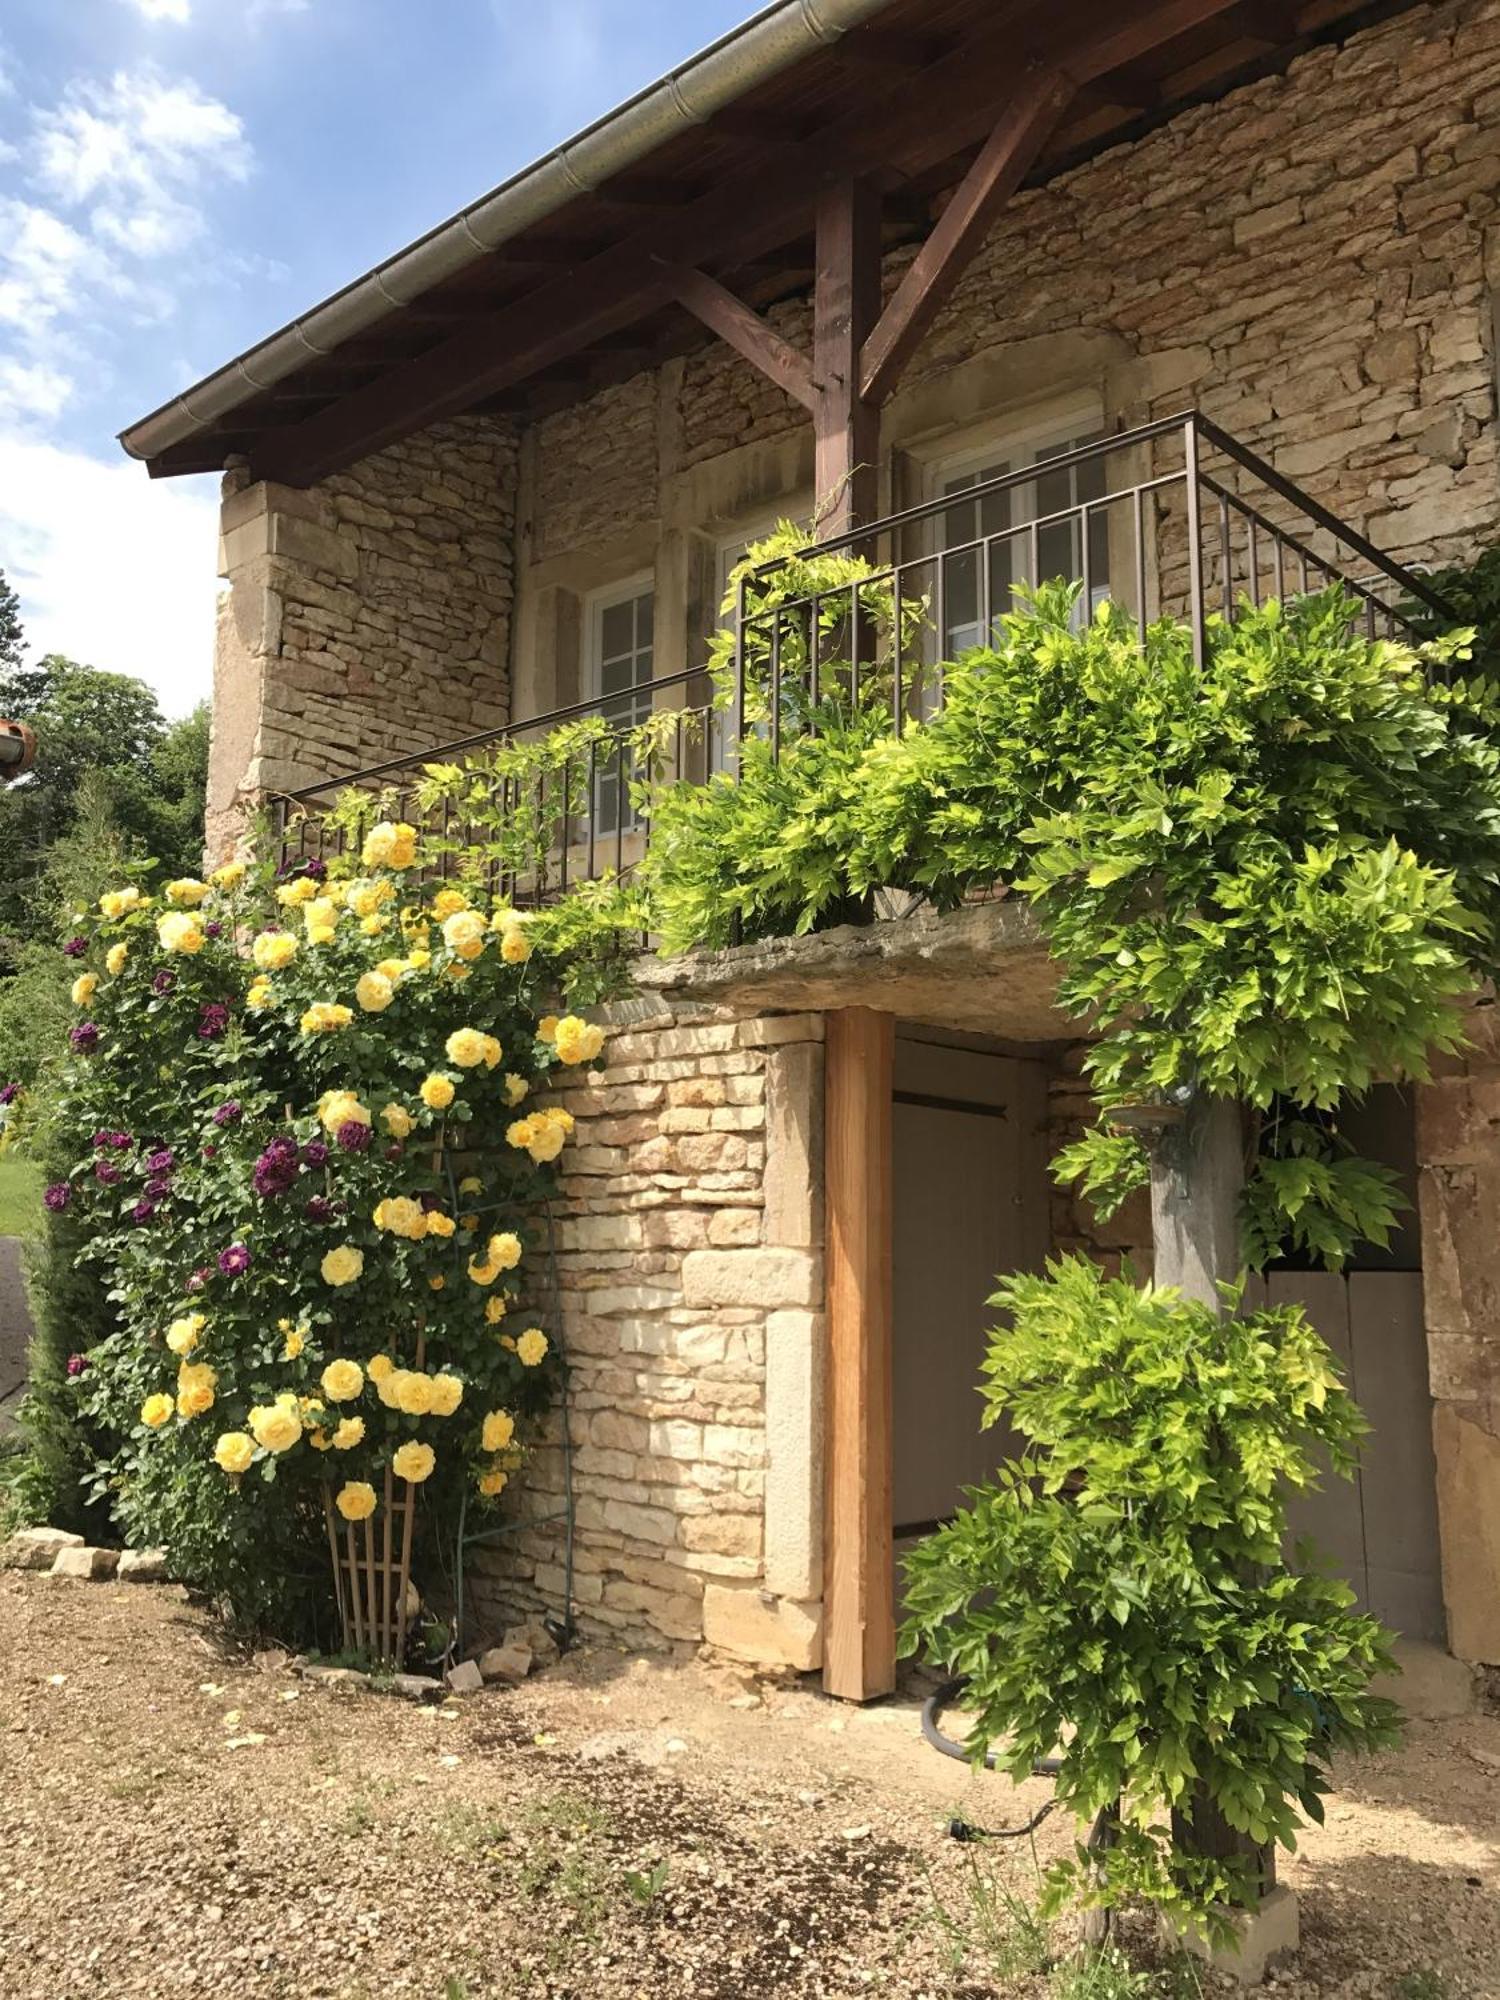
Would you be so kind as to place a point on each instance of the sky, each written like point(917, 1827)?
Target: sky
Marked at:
point(180, 177)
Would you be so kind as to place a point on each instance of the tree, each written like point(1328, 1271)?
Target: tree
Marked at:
point(11, 636)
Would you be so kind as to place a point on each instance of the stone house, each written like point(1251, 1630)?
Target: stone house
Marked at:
point(968, 264)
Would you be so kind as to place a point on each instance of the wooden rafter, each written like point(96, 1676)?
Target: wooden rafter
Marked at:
point(1020, 132)
point(745, 331)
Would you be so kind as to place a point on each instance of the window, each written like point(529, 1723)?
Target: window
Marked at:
point(977, 582)
point(619, 661)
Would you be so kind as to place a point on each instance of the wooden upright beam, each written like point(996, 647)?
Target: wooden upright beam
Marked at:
point(846, 303)
point(859, 1653)
point(745, 331)
point(1020, 132)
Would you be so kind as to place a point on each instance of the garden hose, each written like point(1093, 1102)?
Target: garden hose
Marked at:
point(948, 1746)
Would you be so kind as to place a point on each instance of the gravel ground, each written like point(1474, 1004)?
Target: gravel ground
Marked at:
point(177, 1818)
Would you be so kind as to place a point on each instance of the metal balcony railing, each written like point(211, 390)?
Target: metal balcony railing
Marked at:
point(1175, 517)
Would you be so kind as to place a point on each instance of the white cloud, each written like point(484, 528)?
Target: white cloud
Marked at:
point(43, 266)
point(111, 568)
point(181, 11)
point(31, 390)
point(133, 155)
point(163, 10)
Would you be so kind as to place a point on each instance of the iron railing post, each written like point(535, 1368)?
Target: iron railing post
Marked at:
point(1194, 536)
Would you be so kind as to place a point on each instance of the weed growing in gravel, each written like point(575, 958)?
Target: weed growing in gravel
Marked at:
point(645, 1887)
point(1421, 1983)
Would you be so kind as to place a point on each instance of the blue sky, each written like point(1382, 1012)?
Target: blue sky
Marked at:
point(177, 178)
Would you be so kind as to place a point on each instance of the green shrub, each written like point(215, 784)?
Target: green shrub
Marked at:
point(1120, 1592)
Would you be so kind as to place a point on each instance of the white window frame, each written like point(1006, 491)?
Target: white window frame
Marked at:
point(595, 605)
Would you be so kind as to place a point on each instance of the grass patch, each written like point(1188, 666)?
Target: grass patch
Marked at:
point(20, 1196)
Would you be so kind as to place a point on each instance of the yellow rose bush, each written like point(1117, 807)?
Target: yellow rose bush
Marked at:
point(299, 1170)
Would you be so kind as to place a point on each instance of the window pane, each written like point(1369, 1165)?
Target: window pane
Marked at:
point(616, 630)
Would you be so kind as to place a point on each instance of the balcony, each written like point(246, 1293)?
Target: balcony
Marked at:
point(1173, 518)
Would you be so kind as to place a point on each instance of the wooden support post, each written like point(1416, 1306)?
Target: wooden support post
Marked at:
point(745, 331)
point(859, 1652)
point(846, 304)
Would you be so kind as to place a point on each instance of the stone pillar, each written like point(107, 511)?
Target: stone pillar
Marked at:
point(1458, 1148)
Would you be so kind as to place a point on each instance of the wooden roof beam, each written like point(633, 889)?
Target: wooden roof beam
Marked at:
point(1006, 157)
point(745, 331)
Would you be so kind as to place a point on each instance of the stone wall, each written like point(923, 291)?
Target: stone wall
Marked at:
point(364, 618)
point(689, 1236)
point(1458, 1145)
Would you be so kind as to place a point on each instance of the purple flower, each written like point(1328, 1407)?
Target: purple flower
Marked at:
point(9, 1092)
point(143, 1211)
point(210, 1152)
point(276, 1169)
point(85, 1036)
point(199, 1278)
point(75, 947)
point(76, 1366)
point(159, 1187)
point(315, 1153)
point(320, 1208)
point(394, 1151)
point(230, 1113)
point(163, 982)
point(430, 1202)
point(163, 1161)
point(105, 1174)
point(213, 930)
point(353, 1136)
point(58, 1196)
point(234, 1260)
point(213, 1019)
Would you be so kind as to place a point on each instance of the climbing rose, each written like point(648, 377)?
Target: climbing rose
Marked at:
point(58, 1196)
point(163, 982)
point(353, 1137)
point(162, 1161)
point(213, 1019)
point(143, 1211)
point(316, 1153)
point(85, 1036)
point(9, 1092)
point(234, 1260)
point(75, 947)
point(105, 1174)
point(228, 1114)
point(76, 1365)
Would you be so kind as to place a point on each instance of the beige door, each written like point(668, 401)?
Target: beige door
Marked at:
point(1380, 1529)
point(970, 1203)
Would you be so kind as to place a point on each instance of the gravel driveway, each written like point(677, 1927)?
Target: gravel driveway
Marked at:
point(178, 1819)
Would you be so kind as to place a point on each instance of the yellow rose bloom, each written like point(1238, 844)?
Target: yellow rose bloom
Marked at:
point(83, 988)
point(414, 1462)
point(448, 902)
point(326, 1017)
point(499, 1429)
point(516, 1088)
point(495, 1309)
point(481, 1272)
point(115, 959)
point(320, 1440)
point(392, 969)
point(577, 1041)
point(196, 1383)
point(396, 1120)
point(531, 1347)
point(388, 1388)
point(440, 1225)
point(546, 1028)
point(520, 1133)
point(373, 926)
point(437, 1092)
point(492, 1483)
point(349, 1433)
point(418, 959)
point(275, 1427)
point(402, 1216)
point(234, 1451)
point(320, 920)
point(447, 1394)
point(157, 1410)
point(179, 930)
point(343, 1265)
point(379, 1367)
point(355, 1500)
point(342, 1381)
point(258, 994)
point(296, 1340)
point(366, 899)
point(183, 1334)
point(547, 1141)
point(505, 1250)
point(464, 933)
point(341, 1107)
point(465, 1046)
point(303, 890)
point(118, 902)
point(390, 845)
point(272, 951)
point(437, 1282)
point(413, 1392)
point(374, 992)
point(187, 892)
point(229, 876)
point(515, 946)
point(471, 1184)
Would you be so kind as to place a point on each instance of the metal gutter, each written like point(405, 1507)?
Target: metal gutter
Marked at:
point(689, 95)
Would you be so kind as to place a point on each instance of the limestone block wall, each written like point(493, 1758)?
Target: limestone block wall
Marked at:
point(1458, 1144)
point(689, 1255)
point(364, 618)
